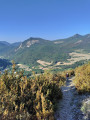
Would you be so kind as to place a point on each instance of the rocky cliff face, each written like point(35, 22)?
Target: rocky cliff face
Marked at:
point(27, 44)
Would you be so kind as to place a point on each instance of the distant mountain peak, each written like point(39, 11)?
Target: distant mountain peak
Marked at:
point(35, 38)
point(4, 42)
point(30, 41)
point(27, 43)
point(77, 35)
point(87, 35)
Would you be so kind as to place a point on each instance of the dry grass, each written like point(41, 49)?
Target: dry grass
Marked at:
point(26, 68)
point(75, 57)
point(44, 63)
point(58, 42)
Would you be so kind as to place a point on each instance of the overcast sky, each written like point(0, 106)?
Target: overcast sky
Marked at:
point(48, 19)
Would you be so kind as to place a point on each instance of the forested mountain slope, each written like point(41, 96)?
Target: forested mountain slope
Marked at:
point(34, 49)
point(75, 42)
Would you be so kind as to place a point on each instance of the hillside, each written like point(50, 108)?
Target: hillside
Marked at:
point(75, 42)
point(57, 52)
point(35, 49)
point(7, 49)
point(76, 96)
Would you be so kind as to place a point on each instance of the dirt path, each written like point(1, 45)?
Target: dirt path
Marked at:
point(69, 108)
point(64, 111)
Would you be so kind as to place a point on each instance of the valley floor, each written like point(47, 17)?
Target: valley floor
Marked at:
point(69, 107)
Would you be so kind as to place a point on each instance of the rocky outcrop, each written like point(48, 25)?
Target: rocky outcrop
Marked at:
point(29, 43)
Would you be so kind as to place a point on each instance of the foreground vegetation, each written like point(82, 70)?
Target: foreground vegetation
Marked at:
point(35, 97)
point(82, 78)
point(29, 98)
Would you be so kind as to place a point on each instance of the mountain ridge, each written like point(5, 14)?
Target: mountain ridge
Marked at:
point(34, 49)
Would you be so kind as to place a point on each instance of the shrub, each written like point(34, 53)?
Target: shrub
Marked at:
point(71, 73)
point(29, 98)
point(86, 108)
point(82, 78)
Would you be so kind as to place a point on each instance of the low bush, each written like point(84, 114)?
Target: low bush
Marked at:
point(82, 78)
point(29, 98)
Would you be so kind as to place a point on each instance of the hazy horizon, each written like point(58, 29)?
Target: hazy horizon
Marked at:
point(48, 19)
point(42, 38)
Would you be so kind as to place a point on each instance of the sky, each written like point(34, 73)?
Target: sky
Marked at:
point(48, 19)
